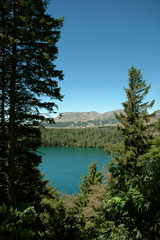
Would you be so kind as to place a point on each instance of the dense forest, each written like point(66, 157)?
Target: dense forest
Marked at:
point(123, 203)
point(87, 137)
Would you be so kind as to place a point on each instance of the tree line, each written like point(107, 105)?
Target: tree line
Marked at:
point(122, 202)
point(86, 137)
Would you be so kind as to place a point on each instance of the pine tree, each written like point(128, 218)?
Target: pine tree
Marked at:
point(91, 179)
point(129, 211)
point(88, 202)
point(28, 38)
point(4, 65)
point(134, 124)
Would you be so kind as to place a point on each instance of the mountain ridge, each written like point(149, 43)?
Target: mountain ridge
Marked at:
point(90, 119)
point(86, 116)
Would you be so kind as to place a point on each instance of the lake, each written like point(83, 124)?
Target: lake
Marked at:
point(65, 165)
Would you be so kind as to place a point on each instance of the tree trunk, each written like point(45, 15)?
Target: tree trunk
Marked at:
point(3, 139)
point(12, 142)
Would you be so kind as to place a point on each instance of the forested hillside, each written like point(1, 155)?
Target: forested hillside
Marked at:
point(86, 137)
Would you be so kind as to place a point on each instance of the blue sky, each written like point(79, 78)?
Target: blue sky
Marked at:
point(100, 40)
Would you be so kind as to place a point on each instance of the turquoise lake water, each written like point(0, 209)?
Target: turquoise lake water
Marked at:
point(65, 165)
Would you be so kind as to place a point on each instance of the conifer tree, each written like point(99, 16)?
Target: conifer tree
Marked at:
point(28, 38)
point(129, 211)
point(4, 49)
point(134, 124)
point(86, 211)
point(92, 178)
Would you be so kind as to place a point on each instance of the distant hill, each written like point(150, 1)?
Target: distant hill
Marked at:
point(89, 119)
point(157, 116)
point(86, 119)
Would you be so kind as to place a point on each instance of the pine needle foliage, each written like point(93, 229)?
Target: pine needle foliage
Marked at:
point(134, 124)
point(29, 85)
point(91, 179)
point(128, 207)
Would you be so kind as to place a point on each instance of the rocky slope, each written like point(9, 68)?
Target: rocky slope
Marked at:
point(86, 119)
point(89, 119)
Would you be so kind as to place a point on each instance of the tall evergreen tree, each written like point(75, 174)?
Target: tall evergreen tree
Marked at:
point(27, 73)
point(4, 49)
point(128, 209)
point(134, 124)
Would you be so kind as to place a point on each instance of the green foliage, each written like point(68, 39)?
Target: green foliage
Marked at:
point(92, 211)
point(52, 214)
point(79, 137)
point(73, 218)
point(128, 211)
point(152, 182)
point(16, 224)
point(88, 204)
point(27, 72)
point(130, 206)
point(91, 179)
point(134, 125)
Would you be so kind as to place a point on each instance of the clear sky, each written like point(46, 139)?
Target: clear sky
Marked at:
point(100, 40)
